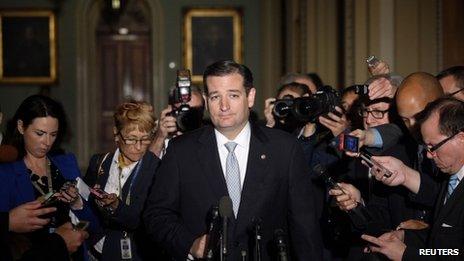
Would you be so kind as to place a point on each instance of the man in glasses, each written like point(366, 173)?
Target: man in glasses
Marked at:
point(452, 81)
point(442, 129)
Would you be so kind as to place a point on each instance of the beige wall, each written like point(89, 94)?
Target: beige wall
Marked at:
point(402, 32)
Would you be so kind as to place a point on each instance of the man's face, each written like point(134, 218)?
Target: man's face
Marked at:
point(408, 111)
point(377, 114)
point(449, 157)
point(196, 101)
point(449, 86)
point(228, 103)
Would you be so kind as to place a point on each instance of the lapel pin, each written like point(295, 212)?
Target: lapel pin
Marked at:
point(263, 156)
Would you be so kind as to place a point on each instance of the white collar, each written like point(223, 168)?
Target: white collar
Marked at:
point(460, 173)
point(242, 139)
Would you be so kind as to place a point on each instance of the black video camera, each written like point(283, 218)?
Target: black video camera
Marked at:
point(307, 109)
point(187, 118)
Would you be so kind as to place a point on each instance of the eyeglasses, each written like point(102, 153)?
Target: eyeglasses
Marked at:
point(455, 92)
point(377, 114)
point(434, 148)
point(130, 141)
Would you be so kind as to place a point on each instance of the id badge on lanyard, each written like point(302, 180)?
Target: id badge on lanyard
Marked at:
point(126, 249)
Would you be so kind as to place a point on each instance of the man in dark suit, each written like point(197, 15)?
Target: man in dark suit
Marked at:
point(442, 129)
point(198, 169)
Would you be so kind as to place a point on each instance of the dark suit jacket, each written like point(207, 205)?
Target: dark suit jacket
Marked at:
point(447, 230)
point(277, 189)
point(126, 217)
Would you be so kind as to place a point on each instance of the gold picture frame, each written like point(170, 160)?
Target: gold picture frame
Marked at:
point(27, 47)
point(211, 34)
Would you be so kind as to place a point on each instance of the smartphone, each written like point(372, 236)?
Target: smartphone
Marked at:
point(49, 199)
point(351, 143)
point(98, 192)
point(372, 61)
point(81, 225)
point(374, 164)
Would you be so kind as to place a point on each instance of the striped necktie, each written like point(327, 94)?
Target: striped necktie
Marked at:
point(452, 183)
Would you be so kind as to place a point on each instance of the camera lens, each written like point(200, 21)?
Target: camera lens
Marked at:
point(282, 108)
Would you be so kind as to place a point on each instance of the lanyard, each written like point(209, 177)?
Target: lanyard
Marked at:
point(134, 177)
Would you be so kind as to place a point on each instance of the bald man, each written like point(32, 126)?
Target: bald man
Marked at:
point(414, 93)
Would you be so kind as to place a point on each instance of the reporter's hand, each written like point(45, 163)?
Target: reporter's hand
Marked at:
point(108, 200)
point(381, 88)
point(395, 166)
point(198, 247)
point(380, 68)
point(26, 217)
point(348, 197)
point(73, 238)
point(336, 124)
point(268, 107)
point(167, 124)
point(70, 194)
point(388, 244)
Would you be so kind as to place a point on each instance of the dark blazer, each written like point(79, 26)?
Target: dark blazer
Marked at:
point(17, 188)
point(447, 230)
point(277, 189)
point(126, 217)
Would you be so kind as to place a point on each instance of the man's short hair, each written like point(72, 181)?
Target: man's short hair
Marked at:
point(450, 112)
point(456, 71)
point(226, 67)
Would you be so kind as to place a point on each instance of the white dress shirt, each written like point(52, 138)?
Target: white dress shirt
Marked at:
point(241, 150)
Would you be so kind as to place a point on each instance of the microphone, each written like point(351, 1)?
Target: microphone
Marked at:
point(213, 221)
point(359, 216)
point(279, 237)
point(225, 210)
point(257, 238)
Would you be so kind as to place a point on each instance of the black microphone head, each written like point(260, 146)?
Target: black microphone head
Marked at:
point(279, 237)
point(225, 207)
point(319, 169)
point(213, 213)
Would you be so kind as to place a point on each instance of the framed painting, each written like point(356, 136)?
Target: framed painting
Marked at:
point(27, 47)
point(211, 34)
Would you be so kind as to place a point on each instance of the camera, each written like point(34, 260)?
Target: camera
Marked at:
point(187, 118)
point(307, 109)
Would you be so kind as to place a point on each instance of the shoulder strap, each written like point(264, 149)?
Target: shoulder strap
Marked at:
point(100, 164)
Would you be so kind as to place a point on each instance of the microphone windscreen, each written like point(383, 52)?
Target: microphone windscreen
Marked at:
point(319, 169)
point(225, 207)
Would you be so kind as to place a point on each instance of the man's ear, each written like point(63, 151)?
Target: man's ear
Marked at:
point(20, 126)
point(251, 97)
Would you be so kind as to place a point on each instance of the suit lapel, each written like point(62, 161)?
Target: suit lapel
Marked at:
point(24, 189)
point(208, 156)
point(440, 200)
point(255, 176)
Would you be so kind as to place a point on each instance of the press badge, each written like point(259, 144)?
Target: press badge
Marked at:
point(126, 251)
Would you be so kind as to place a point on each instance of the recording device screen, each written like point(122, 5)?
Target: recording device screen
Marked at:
point(351, 143)
point(348, 143)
